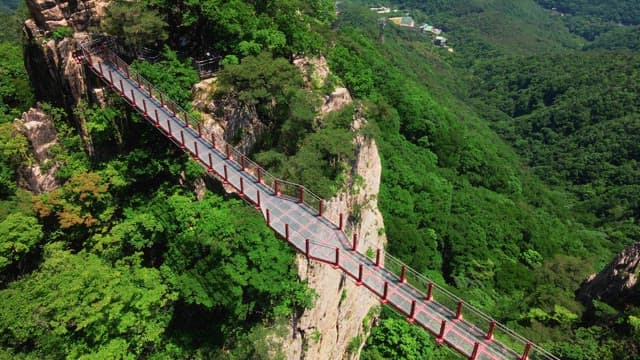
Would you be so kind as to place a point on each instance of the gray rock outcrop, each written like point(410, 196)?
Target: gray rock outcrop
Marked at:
point(327, 330)
point(227, 118)
point(617, 284)
point(56, 76)
point(344, 311)
point(38, 177)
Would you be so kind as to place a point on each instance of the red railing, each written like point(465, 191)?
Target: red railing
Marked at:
point(349, 261)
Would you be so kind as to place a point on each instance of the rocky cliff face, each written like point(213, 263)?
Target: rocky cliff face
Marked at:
point(338, 324)
point(617, 284)
point(57, 78)
point(324, 332)
point(38, 128)
point(342, 310)
point(237, 124)
point(79, 15)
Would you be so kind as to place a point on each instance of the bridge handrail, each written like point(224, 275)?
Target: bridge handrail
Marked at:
point(468, 308)
point(217, 141)
point(273, 183)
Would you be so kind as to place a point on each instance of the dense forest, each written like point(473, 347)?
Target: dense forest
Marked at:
point(510, 173)
point(516, 233)
point(612, 24)
point(122, 260)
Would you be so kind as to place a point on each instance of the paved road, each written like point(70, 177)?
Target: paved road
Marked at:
point(323, 236)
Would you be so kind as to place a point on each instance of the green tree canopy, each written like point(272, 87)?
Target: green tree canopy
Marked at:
point(397, 339)
point(19, 236)
point(134, 23)
point(78, 305)
point(16, 94)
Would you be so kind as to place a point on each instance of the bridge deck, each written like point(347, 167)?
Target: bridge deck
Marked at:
point(305, 229)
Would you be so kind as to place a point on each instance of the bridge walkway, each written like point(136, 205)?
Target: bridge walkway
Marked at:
point(298, 216)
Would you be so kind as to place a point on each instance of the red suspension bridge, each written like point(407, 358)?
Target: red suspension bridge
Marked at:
point(298, 216)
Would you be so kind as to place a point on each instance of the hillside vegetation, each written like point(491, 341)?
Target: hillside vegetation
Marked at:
point(123, 260)
point(609, 25)
point(516, 233)
point(509, 175)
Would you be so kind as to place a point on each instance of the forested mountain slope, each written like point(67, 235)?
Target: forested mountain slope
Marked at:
point(509, 175)
point(8, 5)
point(621, 11)
point(574, 117)
point(129, 256)
point(524, 228)
point(609, 24)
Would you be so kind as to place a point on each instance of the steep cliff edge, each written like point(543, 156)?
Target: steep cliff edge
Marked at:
point(56, 77)
point(227, 118)
point(48, 57)
point(338, 324)
point(327, 330)
point(617, 284)
point(37, 126)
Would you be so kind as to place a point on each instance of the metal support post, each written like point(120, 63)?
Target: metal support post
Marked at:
point(100, 68)
point(525, 354)
point(213, 140)
point(412, 315)
point(378, 257)
point(196, 155)
point(111, 79)
point(440, 338)
point(260, 175)
point(144, 106)
point(354, 246)
point(121, 88)
point(340, 222)
point(210, 169)
point(492, 326)
point(301, 194)
point(403, 274)
point(199, 130)
point(182, 146)
point(186, 118)
point(169, 128)
point(227, 151)
point(241, 187)
point(320, 206)
point(307, 248)
point(459, 310)
point(275, 187)
point(430, 291)
point(268, 218)
point(242, 163)
point(360, 271)
point(385, 293)
point(286, 232)
point(226, 176)
point(258, 199)
point(337, 263)
point(157, 118)
point(476, 350)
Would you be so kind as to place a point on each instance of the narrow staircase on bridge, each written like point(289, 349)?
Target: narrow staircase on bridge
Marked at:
point(298, 216)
